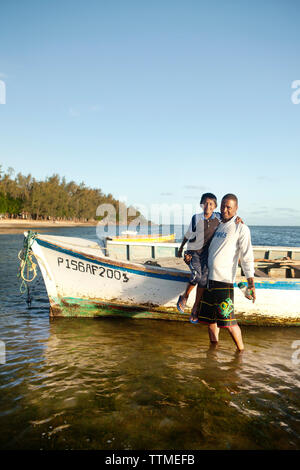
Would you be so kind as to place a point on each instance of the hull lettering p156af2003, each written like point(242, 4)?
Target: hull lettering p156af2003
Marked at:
point(92, 269)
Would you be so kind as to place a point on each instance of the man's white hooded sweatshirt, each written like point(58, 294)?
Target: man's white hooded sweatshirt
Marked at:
point(230, 243)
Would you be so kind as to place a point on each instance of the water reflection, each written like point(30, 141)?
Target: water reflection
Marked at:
point(140, 384)
point(126, 384)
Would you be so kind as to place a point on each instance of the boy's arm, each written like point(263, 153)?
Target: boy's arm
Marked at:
point(185, 239)
point(179, 253)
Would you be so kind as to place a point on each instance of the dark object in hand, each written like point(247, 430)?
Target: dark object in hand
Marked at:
point(187, 258)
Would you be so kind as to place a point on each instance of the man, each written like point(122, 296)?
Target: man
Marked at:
point(230, 243)
point(199, 234)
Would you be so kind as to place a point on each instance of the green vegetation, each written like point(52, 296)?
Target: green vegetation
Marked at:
point(54, 198)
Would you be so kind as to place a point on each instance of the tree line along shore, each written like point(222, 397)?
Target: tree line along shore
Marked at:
point(53, 200)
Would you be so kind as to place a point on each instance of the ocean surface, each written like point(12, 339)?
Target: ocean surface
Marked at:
point(260, 235)
point(140, 384)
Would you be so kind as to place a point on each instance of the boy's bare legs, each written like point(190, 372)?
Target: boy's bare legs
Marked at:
point(189, 287)
point(236, 335)
point(188, 290)
point(199, 295)
point(184, 298)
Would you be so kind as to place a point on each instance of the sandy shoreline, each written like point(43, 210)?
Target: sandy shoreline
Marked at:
point(10, 226)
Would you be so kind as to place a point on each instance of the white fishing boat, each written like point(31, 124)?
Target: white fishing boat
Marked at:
point(81, 281)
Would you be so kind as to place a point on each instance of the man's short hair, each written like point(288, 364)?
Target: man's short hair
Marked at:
point(230, 196)
point(208, 196)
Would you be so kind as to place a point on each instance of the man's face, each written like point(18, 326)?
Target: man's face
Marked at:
point(208, 206)
point(228, 209)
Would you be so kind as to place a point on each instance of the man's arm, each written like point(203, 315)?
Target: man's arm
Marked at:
point(247, 258)
point(251, 286)
point(237, 220)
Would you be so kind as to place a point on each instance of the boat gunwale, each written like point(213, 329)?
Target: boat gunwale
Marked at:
point(120, 264)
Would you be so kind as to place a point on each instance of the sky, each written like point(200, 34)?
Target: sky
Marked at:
point(157, 101)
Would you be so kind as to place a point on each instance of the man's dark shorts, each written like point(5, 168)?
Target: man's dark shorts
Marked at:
point(199, 267)
point(217, 305)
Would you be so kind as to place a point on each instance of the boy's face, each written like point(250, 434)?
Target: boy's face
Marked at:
point(208, 206)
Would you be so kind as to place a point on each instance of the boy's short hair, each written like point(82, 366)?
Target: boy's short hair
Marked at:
point(208, 196)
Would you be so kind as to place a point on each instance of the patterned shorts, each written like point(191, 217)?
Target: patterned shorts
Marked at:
point(216, 305)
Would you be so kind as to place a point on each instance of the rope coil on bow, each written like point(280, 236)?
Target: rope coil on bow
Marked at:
point(26, 262)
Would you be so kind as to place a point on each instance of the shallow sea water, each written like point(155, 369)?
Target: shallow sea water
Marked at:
point(138, 384)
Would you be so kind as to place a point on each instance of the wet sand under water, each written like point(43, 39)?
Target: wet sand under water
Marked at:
point(146, 384)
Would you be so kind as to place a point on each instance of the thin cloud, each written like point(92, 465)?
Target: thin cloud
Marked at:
point(74, 112)
point(265, 178)
point(259, 212)
point(198, 188)
point(95, 108)
point(287, 211)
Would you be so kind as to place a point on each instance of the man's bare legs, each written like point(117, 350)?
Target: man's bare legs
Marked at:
point(236, 335)
point(235, 332)
point(213, 333)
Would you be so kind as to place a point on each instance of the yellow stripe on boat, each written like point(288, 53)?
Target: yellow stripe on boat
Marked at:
point(146, 238)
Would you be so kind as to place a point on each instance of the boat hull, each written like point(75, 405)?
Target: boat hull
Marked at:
point(82, 282)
